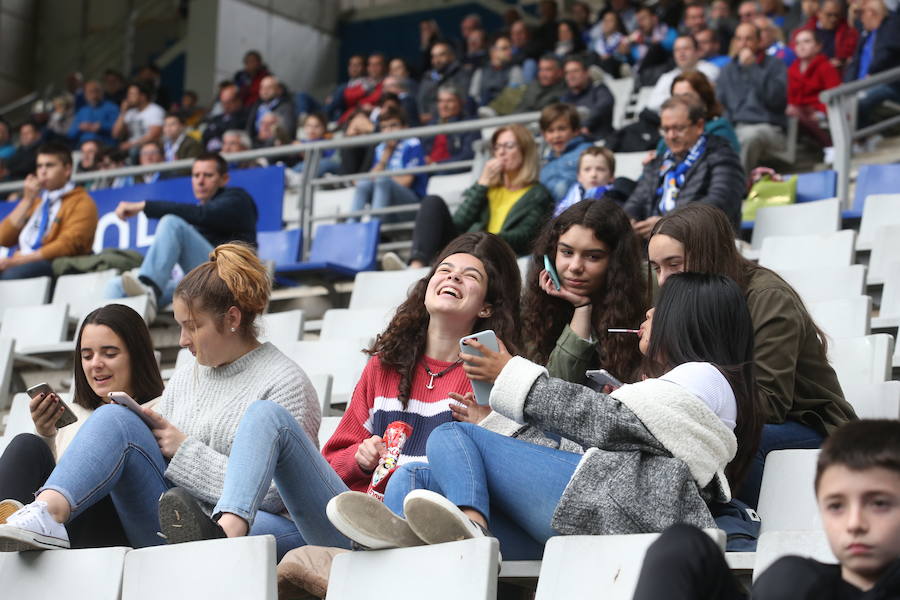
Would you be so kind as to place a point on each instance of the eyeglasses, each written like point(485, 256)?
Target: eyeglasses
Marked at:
point(679, 129)
point(507, 146)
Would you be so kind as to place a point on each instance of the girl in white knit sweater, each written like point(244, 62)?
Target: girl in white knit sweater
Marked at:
point(187, 439)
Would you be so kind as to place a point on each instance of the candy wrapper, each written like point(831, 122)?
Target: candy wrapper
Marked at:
point(394, 437)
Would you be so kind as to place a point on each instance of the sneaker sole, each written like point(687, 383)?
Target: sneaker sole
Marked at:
point(369, 522)
point(435, 519)
point(13, 539)
point(8, 507)
point(132, 286)
point(181, 519)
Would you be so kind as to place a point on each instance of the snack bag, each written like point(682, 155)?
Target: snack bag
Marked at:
point(394, 437)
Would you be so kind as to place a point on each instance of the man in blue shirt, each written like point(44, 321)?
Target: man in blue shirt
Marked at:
point(878, 50)
point(94, 120)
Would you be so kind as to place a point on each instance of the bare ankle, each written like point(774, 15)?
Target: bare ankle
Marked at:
point(233, 525)
point(57, 505)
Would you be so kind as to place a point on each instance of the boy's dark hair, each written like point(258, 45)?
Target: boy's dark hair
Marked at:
point(144, 88)
point(392, 113)
point(221, 163)
point(861, 445)
point(60, 151)
point(559, 110)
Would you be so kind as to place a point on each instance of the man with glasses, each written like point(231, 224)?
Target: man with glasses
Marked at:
point(500, 72)
point(878, 50)
point(838, 37)
point(695, 168)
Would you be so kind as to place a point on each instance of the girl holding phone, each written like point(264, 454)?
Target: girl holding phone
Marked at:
point(113, 351)
point(117, 455)
point(657, 451)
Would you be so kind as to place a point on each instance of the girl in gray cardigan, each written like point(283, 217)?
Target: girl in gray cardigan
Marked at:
point(656, 451)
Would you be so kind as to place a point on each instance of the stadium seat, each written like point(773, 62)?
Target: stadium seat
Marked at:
point(19, 418)
point(89, 574)
point(354, 323)
point(228, 569)
point(630, 164)
point(140, 304)
point(817, 185)
point(331, 202)
point(885, 250)
point(23, 292)
point(281, 247)
point(387, 289)
point(451, 571)
point(827, 283)
point(36, 329)
point(808, 251)
point(327, 428)
point(621, 90)
point(874, 400)
point(281, 328)
point(322, 383)
point(871, 180)
point(342, 359)
point(7, 347)
point(588, 567)
point(773, 545)
point(450, 187)
point(889, 310)
point(786, 496)
point(846, 317)
point(808, 218)
point(864, 359)
point(879, 210)
point(82, 291)
point(342, 250)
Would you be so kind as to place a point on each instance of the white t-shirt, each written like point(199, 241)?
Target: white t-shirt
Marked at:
point(707, 383)
point(139, 122)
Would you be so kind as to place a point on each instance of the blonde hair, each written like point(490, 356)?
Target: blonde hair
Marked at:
point(233, 276)
point(530, 170)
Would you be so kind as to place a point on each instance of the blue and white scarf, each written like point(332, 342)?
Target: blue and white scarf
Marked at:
point(672, 175)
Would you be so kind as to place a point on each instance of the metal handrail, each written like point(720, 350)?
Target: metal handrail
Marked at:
point(15, 104)
point(842, 110)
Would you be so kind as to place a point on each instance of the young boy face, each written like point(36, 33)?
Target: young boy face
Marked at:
point(558, 134)
point(805, 45)
point(861, 515)
point(593, 171)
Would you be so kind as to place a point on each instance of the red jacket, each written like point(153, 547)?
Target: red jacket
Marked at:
point(845, 38)
point(804, 86)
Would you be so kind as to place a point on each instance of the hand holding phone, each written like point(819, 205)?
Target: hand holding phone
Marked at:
point(487, 338)
point(128, 402)
point(44, 409)
point(551, 271)
point(599, 379)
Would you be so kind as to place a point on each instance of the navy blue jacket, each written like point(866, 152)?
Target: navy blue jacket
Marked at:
point(230, 215)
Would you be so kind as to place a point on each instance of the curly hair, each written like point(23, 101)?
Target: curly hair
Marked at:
point(402, 344)
point(620, 302)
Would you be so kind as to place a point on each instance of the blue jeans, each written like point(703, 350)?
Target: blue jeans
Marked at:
point(269, 444)
point(789, 435)
point(514, 484)
point(176, 242)
point(382, 193)
point(332, 164)
point(874, 97)
point(38, 268)
point(114, 454)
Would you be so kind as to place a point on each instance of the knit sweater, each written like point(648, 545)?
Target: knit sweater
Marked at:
point(374, 406)
point(207, 403)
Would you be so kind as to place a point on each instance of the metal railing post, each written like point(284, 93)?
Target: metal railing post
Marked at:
point(310, 168)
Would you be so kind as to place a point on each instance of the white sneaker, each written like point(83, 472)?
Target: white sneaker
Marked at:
point(369, 523)
point(132, 286)
point(32, 528)
point(437, 520)
point(391, 261)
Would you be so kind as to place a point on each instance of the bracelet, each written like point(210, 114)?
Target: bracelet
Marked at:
point(588, 303)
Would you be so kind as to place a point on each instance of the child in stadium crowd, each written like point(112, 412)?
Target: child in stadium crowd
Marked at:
point(802, 400)
point(134, 457)
point(507, 200)
point(560, 125)
point(113, 352)
point(596, 169)
point(392, 155)
point(811, 74)
point(655, 451)
point(412, 375)
point(858, 491)
point(315, 128)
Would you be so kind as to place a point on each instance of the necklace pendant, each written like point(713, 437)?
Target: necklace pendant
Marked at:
point(430, 384)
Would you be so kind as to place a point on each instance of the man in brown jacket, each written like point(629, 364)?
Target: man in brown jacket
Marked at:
point(54, 218)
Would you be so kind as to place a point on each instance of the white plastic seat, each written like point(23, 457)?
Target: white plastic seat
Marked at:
point(450, 187)
point(228, 569)
point(847, 317)
point(36, 328)
point(282, 327)
point(621, 90)
point(808, 251)
point(384, 289)
point(874, 400)
point(19, 418)
point(322, 382)
point(23, 292)
point(327, 429)
point(827, 283)
point(342, 359)
point(588, 567)
point(140, 304)
point(7, 347)
point(885, 250)
point(82, 291)
point(89, 574)
point(865, 359)
point(773, 545)
point(451, 571)
point(354, 323)
point(806, 218)
point(879, 210)
point(786, 496)
point(630, 164)
point(889, 310)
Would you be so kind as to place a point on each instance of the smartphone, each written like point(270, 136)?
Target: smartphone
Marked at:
point(600, 378)
point(128, 402)
point(67, 417)
point(551, 270)
point(482, 389)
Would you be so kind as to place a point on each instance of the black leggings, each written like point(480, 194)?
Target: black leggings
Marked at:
point(434, 229)
point(24, 467)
